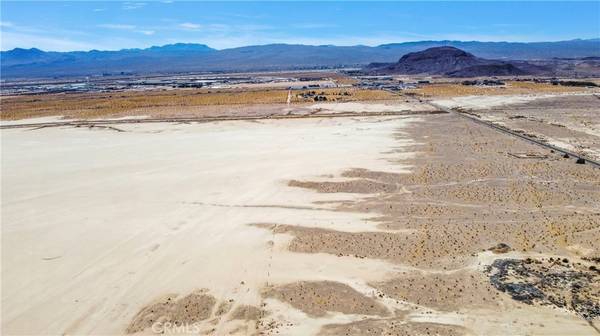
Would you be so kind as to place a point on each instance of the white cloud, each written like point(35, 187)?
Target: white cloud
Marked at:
point(223, 28)
point(133, 5)
point(12, 40)
point(39, 31)
point(117, 26)
point(510, 25)
point(127, 27)
point(313, 25)
point(190, 26)
point(99, 9)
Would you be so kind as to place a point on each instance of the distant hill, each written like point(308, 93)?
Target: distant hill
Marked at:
point(453, 62)
point(577, 48)
point(182, 57)
point(434, 61)
point(447, 61)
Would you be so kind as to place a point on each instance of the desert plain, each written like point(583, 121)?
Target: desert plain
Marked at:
point(370, 214)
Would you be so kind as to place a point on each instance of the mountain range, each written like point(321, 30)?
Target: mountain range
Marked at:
point(186, 57)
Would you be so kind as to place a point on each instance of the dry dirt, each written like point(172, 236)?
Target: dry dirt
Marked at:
point(571, 122)
point(396, 327)
point(190, 309)
point(316, 298)
point(511, 88)
point(379, 225)
point(443, 291)
point(465, 195)
point(246, 312)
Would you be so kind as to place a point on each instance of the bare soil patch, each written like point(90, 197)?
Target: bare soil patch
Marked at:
point(465, 194)
point(396, 327)
point(465, 197)
point(246, 313)
point(189, 309)
point(568, 121)
point(442, 291)
point(316, 298)
point(512, 87)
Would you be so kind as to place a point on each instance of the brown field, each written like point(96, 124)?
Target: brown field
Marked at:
point(512, 87)
point(343, 79)
point(95, 105)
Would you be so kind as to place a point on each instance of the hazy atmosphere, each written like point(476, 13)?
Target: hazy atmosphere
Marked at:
point(68, 26)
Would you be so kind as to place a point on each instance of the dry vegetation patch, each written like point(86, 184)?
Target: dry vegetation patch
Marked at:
point(394, 326)
point(96, 105)
point(316, 298)
point(189, 309)
point(246, 313)
point(447, 292)
point(465, 194)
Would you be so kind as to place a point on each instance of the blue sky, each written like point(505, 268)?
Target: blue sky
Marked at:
point(64, 26)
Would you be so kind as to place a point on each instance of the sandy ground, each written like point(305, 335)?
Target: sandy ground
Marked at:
point(389, 106)
point(483, 102)
point(250, 110)
point(368, 225)
point(568, 121)
point(489, 243)
point(98, 224)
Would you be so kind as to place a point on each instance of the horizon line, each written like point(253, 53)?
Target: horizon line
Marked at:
point(300, 44)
